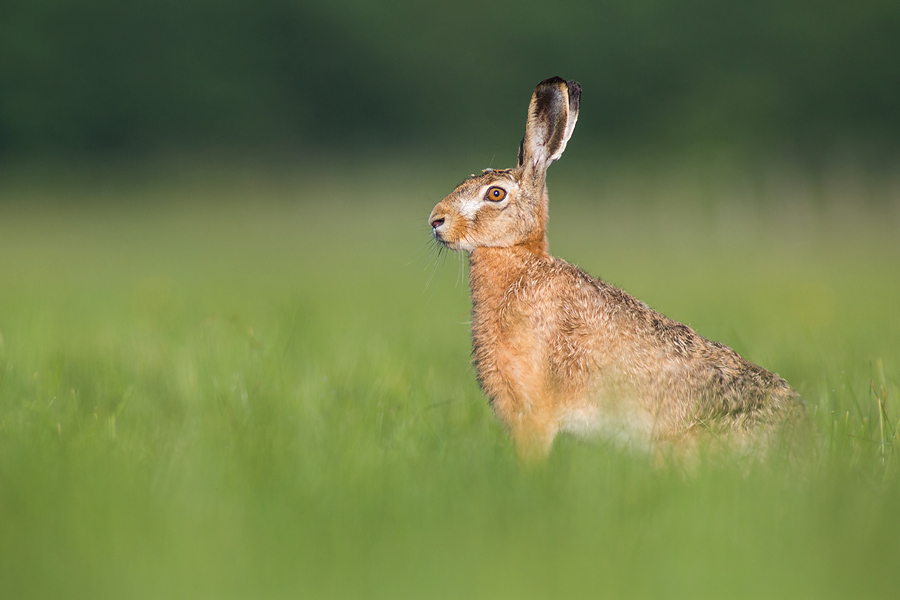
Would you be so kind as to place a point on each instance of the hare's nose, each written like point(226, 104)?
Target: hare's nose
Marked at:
point(437, 222)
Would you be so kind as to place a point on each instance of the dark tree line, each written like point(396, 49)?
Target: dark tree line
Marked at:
point(100, 76)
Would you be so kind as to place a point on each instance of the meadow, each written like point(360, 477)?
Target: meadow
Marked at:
point(255, 382)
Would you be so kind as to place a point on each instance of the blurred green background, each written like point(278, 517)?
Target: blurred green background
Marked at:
point(233, 364)
point(104, 77)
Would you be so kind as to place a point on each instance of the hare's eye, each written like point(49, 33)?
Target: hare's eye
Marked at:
point(495, 194)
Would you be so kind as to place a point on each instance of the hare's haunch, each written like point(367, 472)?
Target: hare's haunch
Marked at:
point(558, 350)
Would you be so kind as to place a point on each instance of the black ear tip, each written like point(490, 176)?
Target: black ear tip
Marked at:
point(555, 80)
point(573, 86)
point(574, 94)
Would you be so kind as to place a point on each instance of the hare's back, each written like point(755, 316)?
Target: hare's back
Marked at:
point(610, 334)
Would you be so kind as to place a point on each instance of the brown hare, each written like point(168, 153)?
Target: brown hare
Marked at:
point(558, 350)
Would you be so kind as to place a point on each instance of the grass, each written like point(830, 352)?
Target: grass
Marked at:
point(240, 384)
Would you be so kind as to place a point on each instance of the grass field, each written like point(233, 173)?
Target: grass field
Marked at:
point(255, 383)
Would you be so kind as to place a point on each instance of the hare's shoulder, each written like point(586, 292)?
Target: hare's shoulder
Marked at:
point(577, 301)
point(592, 297)
point(575, 287)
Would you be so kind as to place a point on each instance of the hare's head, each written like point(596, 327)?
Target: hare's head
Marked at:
point(508, 207)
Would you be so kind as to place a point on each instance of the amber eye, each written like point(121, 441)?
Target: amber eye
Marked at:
point(495, 194)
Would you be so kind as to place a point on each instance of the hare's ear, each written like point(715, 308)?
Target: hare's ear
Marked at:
point(551, 120)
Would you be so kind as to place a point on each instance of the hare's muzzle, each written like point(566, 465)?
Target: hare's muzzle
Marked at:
point(444, 224)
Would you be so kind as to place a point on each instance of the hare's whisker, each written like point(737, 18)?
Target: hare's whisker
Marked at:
point(440, 259)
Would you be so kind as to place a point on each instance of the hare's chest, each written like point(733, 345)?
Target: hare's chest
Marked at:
point(510, 347)
point(512, 326)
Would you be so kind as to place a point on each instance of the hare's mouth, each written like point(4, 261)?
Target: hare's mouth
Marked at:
point(442, 240)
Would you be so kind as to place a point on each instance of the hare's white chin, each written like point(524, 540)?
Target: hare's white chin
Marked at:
point(459, 245)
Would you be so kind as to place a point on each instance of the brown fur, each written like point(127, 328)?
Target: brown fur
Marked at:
point(556, 349)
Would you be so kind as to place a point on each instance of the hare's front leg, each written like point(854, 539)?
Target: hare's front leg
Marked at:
point(531, 423)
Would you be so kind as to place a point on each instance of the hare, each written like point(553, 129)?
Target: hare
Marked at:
point(558, 350)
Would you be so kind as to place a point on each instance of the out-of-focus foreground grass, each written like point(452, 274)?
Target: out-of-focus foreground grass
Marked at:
point(246, 383)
